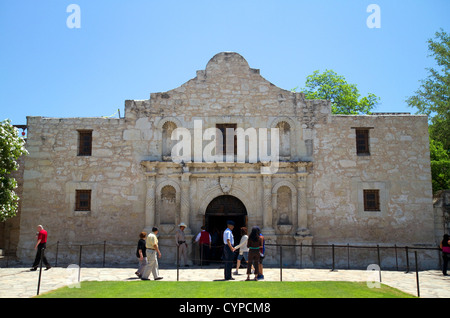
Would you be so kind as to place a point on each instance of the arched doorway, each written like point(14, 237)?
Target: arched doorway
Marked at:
point(219, 211)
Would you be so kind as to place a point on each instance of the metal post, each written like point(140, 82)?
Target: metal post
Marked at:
point(40, 270)
point(348, 256)
point(301, 256)
point(407, 259)
point(332, 250)
point(417, 274)
point(379, 260)
point(178, 263)
point(378, 255)
point(201, 255)
point(396, 259)
point(439, 257)
point(79, 263)
point(57, 249)
point(281, 263)
point(104, 252)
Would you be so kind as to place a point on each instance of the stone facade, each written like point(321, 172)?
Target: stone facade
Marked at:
point(316, 195)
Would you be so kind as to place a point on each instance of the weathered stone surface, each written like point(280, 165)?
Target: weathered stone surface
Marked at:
point(316, 195)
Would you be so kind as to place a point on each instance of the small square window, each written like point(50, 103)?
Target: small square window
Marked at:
point(83, 200)
point(371, 200)
point(85, 142)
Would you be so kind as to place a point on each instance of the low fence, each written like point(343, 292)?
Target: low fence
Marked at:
point(331, 256)
point(346, 256)
point(320, 256)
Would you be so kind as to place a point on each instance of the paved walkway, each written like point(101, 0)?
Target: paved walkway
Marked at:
point(18, 282)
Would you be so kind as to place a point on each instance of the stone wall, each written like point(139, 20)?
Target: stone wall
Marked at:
point(54, 172)
point(398, 165)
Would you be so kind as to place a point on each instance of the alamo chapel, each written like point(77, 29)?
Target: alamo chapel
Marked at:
point(363, 179)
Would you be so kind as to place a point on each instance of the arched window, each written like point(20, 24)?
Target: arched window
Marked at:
point(284, 205)
point(285, 139)
point(168, 205)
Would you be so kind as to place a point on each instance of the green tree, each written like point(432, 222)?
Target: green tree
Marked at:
point(345, 98)
point(11, 148)
point(433, 99)
point(433, 96)
point(440, 166)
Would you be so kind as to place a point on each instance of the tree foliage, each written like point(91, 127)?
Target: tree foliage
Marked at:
point(440, 166)
point(433, 96)
point(345, 98)
point(433, 99)
point(11, 148)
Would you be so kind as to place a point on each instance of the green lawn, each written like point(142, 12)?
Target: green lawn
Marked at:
point(222, 289)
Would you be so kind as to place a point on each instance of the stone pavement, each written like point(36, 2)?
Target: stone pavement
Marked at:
point(19, 282)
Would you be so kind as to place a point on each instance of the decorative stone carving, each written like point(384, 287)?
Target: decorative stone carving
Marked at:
point(225, 184)
point(267, 208)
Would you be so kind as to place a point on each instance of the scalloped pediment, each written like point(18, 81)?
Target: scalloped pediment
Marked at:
point(228, 86)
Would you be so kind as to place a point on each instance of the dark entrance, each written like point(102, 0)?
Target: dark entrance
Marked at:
point(219, 211)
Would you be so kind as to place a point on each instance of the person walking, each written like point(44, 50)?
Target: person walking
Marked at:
point(228, 250)
point(141, 254)
point(262, 254)
point(40, 246)
point(243, 249)
point(152, 250)
point(254, 243)
point(204, 240)
point(445, 247)
point(181, 243)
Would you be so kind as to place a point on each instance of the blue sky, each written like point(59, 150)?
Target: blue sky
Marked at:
point(129, 49)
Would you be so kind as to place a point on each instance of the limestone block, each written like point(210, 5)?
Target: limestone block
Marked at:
point(132, 134)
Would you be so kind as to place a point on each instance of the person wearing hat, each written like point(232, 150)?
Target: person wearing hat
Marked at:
point(180, 240)
point(228, 250)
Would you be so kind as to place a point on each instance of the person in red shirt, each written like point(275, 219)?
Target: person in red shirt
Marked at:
point(41, 244)
point(204, 240)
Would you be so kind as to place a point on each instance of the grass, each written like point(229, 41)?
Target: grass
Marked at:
point(222, 289)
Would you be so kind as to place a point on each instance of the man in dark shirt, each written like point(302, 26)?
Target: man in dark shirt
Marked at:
point(40, 246)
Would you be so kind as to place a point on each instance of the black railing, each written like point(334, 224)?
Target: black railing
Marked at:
point(77, 253)
point(332, 256)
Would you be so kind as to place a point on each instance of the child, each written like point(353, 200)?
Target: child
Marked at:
point(243, 249)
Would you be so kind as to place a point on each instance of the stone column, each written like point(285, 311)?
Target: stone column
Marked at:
point(150, 173)
point(303, 238)
point(150, 203)
point(267, 205)
point(302, 223)
point(185, 204)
